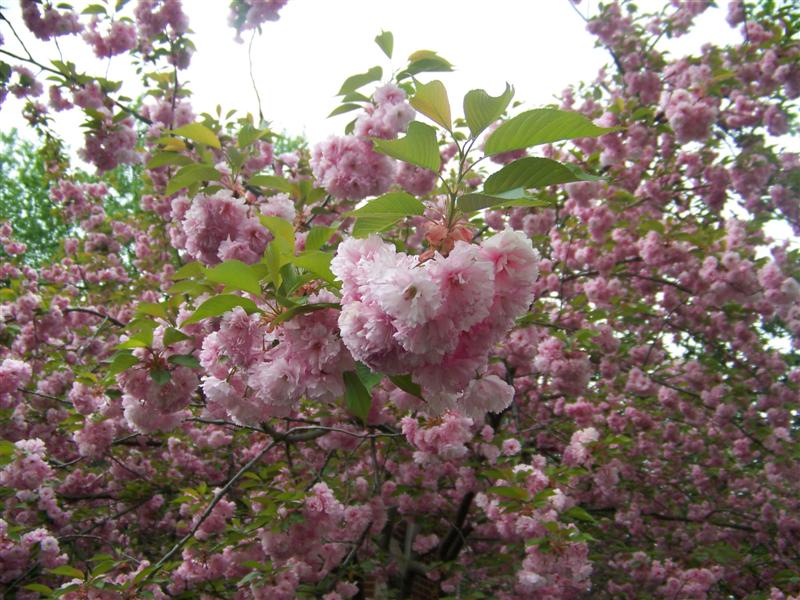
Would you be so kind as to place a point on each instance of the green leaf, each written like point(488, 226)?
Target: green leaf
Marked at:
point(418, 147)
point(579, 514)
point(161, 159)
point(67, 571)
point(192, 269)
point(318, 237)
point(531, 172)
point(122, 361)
point(317, 262)
point(271, 182)
point(425, 61)
point(344, 108)
point(94, 9)
point(368, 377)
point(481, 109)
point(356, 397)
point(38, 587)
point(6, 448)
point(187, 286)
point(218, 305)
point(283, 232)
point(172, 335)
point(184, 360)
point(540, 126)
point(249, 134)
point(405, 383)
point(152, 309)
point(197, 132)
point(352, 83)
point(384, 211)
point(159, 375)
point(191, 174)
point(385, 41)
point(476, 201)
point(514, 493)
point(132, 343)
point(302, 309)
point(235, 274)
point(103, 568)
point(431, 100)
point(399, 204)
point(272, 258)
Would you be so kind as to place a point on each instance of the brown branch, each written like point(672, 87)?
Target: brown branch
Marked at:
point(96, 313)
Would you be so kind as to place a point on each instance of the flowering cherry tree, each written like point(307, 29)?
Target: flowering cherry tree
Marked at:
point(461, 350)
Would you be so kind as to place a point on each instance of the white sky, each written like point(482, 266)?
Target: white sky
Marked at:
point(300, 61)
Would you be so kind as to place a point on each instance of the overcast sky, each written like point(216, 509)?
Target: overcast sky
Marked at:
point(299, 62)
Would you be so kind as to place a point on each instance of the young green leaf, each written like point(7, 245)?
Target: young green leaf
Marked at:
point(514, 493)
point(283, 232)
point(302, 309)
point(356, 397)
point(354, 82)
point(344, 108)
point(431, 100)
point(540, 126)
point(159, 375)
point(405, 383)
point(235, 274)
point(67, 571)
point(218, 305)
point(424, 61)
point(317, 262)
point(385, 211)
point(122, 361)
point(531, 172)
point(418, 147)
point(191, 174)
point(368, 377)
point(197, 132)
point(161, 159)
point(385, 41)
point(184, 360)
point(271, 182)
point(481, 109)
point(318, 237)
point(191, 269)
point(151, 308)
point(273, 258)
point(172, 335)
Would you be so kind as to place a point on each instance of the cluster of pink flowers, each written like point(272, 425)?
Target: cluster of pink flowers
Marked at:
point(415, 180)
point(349, 168)
point(151, 403)
point(111, 143)
point(690, 114)
point(120, 38)
point(15, 555)
point(388, 116)
point(223, 227)
point(251, 14)
point(154, 17)
point(49, 23)
point(29, 470)
point(256, 374)
point(437, 320)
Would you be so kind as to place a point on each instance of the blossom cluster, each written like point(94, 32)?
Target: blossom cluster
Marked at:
point(439, 319)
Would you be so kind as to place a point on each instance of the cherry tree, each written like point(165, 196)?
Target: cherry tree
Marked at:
point(461, 350)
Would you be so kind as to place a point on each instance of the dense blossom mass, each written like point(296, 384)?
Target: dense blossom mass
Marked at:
point(490, 352)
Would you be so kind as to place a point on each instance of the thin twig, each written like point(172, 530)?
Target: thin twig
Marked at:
point(207, 512)
point(97, 313)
